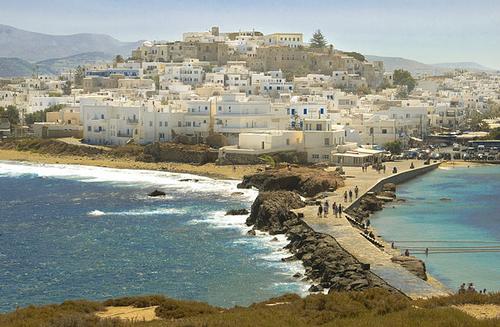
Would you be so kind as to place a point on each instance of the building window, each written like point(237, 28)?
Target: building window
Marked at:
point(160, 124)
point(315, 156)
point(384, 131)
point(321, 110)
point(89, 128)
point(150, 124)
point(287, 141)
point(327, 141)
point(326, 157)
point(305, 111)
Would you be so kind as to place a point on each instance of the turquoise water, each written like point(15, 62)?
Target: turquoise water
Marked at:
point(70, 232)
point(452, 204)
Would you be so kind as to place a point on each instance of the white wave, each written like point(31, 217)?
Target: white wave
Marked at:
point(154, 212)
point(184, 183)
point(219, 219)
point(96, 213)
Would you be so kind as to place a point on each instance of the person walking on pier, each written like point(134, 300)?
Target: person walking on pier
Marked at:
point(326, 206)
point(350, 195)
point(345, 196)
point(356, 191)
point(383, 167)
point(335, 210)
point(340, 210)
point(320, 210)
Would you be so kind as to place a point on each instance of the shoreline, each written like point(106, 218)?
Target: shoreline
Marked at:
point(208, 170)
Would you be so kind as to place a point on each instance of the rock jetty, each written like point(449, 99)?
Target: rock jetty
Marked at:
point(327, 265)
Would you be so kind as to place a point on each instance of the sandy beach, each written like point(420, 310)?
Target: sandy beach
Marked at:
point(209, 169)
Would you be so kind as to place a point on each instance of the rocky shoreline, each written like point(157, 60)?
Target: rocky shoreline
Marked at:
point(327, 265)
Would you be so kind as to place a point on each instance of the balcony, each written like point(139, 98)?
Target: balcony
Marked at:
point(132, 121)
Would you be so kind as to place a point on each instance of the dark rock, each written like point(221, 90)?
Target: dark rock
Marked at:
point(237, 212)
point(157, 193)
point(391, 187)
point(316, 288)
point(189, 180)
point(274, 239)
point(237, 193)
point(271, 209)
point(445, 199)
point(297, 275)
point(251, 232)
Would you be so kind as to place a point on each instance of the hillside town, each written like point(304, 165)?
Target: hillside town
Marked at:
point(248, 94)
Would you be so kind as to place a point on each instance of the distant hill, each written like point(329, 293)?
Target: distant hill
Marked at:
point(474, 66)
point(16, 67)
point(416, 67)
point(34, 47)
point(413, 66)
point(57, 65)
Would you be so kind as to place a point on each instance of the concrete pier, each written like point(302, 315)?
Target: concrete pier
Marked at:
point(352, 241)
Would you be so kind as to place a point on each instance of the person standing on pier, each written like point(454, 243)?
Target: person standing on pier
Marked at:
point(383, 167)
point(320, 210)
point(340, 210)
point(350, 195)
point(335, 210)
point(326, 206)
point(345, 196)
point(356, 191)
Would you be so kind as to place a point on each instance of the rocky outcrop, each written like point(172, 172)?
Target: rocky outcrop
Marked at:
point(327, 265)
point(412, 264)
point(237, 212)
point(271, 210)
point(306, 181)
point(157, 193)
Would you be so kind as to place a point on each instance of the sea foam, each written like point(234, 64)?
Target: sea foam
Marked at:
point(178, 182)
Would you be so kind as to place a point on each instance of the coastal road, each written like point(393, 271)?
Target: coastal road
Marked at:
point(352, 241)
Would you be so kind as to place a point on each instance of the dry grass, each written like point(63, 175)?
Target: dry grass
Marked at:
point(375, 307)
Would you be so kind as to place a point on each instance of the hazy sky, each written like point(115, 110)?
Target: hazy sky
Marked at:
point(430, 31)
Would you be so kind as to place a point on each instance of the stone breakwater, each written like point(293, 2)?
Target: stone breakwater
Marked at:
point(327, 264)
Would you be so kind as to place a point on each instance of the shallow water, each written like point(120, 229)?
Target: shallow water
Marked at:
point(69, 232)
point(458, 205)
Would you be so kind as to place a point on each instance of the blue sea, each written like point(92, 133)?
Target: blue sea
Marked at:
point(72, 232)
point(461, 205)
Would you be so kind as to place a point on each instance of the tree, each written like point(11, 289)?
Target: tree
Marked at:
point(79, 75)
point(67, 88)
point(11, 113)
point(318, 40)
point(403, 77)
point(118, 60)
point(356, 55)
point(394, 147)
point(40, 116)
